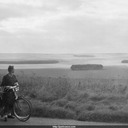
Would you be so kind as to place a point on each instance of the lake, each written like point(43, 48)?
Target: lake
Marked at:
point(65, 60)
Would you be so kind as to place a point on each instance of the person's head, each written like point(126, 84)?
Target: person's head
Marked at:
point(11, 69)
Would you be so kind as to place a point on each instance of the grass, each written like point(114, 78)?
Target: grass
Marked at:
point(101, 116)
point(87, 99)
point(46, 110)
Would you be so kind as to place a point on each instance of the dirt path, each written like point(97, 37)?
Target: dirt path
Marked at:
point(48, 121)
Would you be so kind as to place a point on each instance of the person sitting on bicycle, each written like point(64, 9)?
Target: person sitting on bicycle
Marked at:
point(8, 95)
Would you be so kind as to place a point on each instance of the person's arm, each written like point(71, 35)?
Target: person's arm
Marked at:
point(3, 82)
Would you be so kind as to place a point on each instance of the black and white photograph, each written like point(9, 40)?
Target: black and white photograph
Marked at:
point(63, 63)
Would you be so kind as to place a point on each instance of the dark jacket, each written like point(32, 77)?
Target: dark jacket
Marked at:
point(8, 98)
point(8, 80)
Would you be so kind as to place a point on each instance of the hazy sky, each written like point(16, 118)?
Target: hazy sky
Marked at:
point(64, 26)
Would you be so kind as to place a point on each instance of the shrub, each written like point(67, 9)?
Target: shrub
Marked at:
point(97, 98)
point(53, 112)
point(44, 109)
point(83, 97)
point(59, 103)
point(113, 108)
point(33, 94)
point(71, 105)
point(103, 116)
point(46, 97)
point(72, 95)
point(58, 112)
point(116, 99)
point(85, 107)
point(39, 109)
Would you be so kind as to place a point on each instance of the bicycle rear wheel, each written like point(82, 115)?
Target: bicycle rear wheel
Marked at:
point(22, 109)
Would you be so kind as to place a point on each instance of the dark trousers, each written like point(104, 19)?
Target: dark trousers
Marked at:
point(8, 101)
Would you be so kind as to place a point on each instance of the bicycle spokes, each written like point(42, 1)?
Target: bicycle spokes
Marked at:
point(22, 109)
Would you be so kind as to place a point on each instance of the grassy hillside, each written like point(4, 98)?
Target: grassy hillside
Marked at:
point(89, 98)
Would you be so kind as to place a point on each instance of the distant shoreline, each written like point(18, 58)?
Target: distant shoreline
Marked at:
point(53, 66)
point(84, 55)
point(31, 62)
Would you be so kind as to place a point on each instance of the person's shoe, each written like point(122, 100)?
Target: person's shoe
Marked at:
point(11, 116)
point(5, 118)
point(2, 115)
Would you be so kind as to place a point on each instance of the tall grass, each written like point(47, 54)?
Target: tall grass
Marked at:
point(81, 99)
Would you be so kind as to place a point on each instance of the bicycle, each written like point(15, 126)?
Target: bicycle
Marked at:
point(21, 107)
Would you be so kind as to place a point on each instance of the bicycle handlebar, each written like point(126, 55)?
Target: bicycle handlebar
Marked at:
point(12, 87)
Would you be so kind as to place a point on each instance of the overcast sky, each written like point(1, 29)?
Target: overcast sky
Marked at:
point(63, 26)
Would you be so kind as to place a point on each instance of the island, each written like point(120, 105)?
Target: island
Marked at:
point(87, 67)
point(83, 55)
point(124, 61)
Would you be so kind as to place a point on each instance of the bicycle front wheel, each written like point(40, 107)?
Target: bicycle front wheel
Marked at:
point(22, 109)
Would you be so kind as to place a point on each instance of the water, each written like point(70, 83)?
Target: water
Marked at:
point(65, 60)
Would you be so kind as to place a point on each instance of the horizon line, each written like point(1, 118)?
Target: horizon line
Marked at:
point(64, 53)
